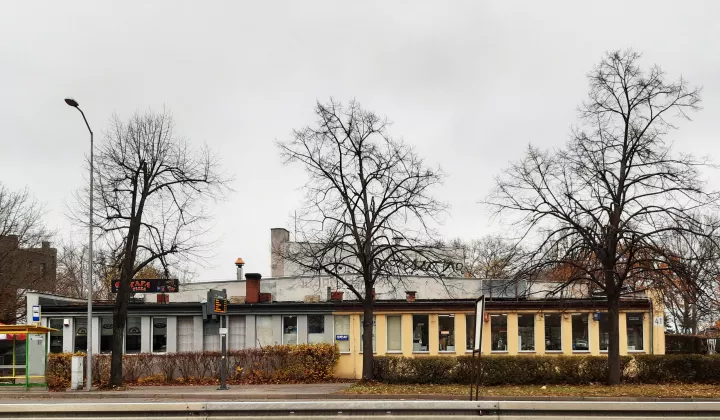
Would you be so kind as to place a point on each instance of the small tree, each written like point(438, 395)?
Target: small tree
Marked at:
point(368, 201)
point(601, 203)
point(151, 188)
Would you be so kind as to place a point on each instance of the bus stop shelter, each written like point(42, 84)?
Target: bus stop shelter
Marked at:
point(23, 355)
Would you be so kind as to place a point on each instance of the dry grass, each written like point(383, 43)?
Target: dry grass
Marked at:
point(648, 391)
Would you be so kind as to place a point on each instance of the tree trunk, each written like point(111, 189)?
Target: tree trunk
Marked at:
point(119, 317)
point(614, 341)
point(367, 359)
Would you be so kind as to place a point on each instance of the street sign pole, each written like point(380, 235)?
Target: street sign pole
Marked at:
point(223, 349)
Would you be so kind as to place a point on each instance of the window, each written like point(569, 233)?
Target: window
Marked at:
point(498, 332)
point(211, 335)
point(553, 332)
point(420, 332)
point(263, 330)
point(81, 335)
point(526, 332)
point(394, 333)
point(316, 328)
point(289, 329)
point(361, 334)
point(446, 331)
point(469, 332)
point(106, 336)
point(580, 340)
point(236, 331)
point(604, 324)
point(56, 337)
point(185, 333)
point(342, 332)
point(635, 331)
point(159, 335)
point(133, 329)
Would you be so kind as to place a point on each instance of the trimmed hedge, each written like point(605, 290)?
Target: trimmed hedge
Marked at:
point(495, 370)
point(685, 344)
point(676, 368)
point(303, 363)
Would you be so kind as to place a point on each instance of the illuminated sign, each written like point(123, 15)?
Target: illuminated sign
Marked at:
point(150, 286)
point(219, 305)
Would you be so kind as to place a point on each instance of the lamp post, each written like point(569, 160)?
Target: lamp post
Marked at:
point(73, 103)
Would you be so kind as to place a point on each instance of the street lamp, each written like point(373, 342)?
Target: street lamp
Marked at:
point(73, 103)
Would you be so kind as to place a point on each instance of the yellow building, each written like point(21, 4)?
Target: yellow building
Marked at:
point(540, 327)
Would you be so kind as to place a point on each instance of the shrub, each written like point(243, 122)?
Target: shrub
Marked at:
point(58, 371)
point(677, 368)
point(137, 365)
point(685, 344)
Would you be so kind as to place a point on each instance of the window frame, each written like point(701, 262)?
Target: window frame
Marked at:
point(642, 334)
point(562, 345)
point(453, 335)
point(282, 326)
point(507, 347)
point(589, 339)
point(152, 334)
point(387, 335)
point(324, 333)
point(428, 334)
point(62, 334)
point(349, 351)
point(532, 315)
point(470, 350)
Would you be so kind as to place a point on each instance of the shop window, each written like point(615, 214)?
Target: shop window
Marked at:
point(526, 332)
point(236, 330)
point(133, 332)
point(342, 332)
point(604, 326)
point(289, 329)
point(80, 332)
point(159, 335)
point(635, 331)
point(421, 328)
point(211, 336)
point(469, 332)
point(553, 332)
point(185, 333)
point(394, 333)
point(362, 335)
point(106, 335)
point(56, 337)
point(580, 335)
point(498, 332)
point(263, 330)
point(446, 331)
point(316, 328)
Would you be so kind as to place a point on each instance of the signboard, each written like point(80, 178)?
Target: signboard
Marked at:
point(659, 322)
point(36, 313)
point(479, 315)
point(219, 305)
point(342, 337)
point(217, 302)
point(150, 286)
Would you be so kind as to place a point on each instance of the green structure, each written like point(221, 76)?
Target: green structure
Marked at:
point(23, 355)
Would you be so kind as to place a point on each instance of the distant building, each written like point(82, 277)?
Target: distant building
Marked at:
point(23, 269)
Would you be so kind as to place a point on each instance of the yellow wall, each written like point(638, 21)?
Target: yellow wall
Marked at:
point(350, 365)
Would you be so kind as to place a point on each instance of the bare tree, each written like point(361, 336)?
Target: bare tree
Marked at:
point(691, 277)
point(151, 189)
point(368, 202)
point(490, 257)
point(601, 203)
point(22, 233)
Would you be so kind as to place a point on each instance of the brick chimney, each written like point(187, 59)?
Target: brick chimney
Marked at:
point(252, 287)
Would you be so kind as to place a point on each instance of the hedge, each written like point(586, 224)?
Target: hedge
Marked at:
point(495, 370)
point(303, 363)
point(685, 344)
point(677, 368)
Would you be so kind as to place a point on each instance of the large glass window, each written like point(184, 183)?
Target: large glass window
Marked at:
point(635, 331)
point(133, 329)
point(263, 330)
point(553, 332)
point(446, 331)
point(159, 335)
point(526, 332)
point(81, 335)
point(56, 337)
point(469, 332)
point(362, 335)
point(421, 332)
point(342, 332)
point(394, 333)
point(290, 329)
point(316, 328)
point(580, 335)
point(106, 335)
point(604, 326)
point(185, 333)
point(498, 332)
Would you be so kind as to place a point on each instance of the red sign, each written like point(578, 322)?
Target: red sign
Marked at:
point(150, 286)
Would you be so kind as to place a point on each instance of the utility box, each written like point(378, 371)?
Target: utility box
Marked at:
point(76, 373)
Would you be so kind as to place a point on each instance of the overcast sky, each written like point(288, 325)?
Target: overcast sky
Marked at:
point(469, 84)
